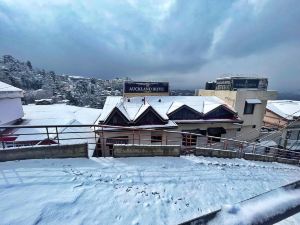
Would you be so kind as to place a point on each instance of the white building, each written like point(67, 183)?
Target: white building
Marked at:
point(284, 116)
point(248, 96)
point(10, 104)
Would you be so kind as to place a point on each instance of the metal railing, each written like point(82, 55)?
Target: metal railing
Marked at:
point(101, 138)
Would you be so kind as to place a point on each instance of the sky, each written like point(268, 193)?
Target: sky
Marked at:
point(186, 42)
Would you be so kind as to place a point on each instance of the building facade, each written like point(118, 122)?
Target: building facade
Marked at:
point(248, 96)
point(10, 104)
point(164, 115)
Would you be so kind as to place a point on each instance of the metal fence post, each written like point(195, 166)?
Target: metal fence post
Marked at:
point(102, 143)
point(57, 134)
point(48, 135)
point(3, 145)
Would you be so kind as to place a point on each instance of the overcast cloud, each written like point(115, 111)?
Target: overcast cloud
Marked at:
point(184, 42)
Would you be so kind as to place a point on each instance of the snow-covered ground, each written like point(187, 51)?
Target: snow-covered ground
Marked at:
point(154, 190)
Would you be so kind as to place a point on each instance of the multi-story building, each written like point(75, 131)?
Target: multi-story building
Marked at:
point(194, 114)
point(248, 96)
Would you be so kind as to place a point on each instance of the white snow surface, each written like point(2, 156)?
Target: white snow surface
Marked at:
point(285, 108)
point(257, 210)
point(157, 190)
point(6, 87)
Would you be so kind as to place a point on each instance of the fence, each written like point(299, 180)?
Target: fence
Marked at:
point(101, 138)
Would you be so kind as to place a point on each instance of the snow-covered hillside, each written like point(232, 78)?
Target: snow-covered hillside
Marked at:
point(40, 84)
point(131, 190)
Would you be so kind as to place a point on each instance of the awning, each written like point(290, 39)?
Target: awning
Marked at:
point(253, 101)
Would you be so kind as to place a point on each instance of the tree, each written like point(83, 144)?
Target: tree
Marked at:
point(28, 63)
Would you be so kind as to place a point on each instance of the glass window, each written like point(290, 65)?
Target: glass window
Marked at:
point(249, 108)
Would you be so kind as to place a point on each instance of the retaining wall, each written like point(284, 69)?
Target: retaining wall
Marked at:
point(220, 153)
point(145, 150)
point(42, 152)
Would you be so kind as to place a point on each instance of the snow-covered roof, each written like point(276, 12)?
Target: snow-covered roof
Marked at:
point(287, 109)
point(133, 107)
point(9, 91)
point(57, 114)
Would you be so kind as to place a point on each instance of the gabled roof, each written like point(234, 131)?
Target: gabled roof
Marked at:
point(287, 109)
point(133, 107)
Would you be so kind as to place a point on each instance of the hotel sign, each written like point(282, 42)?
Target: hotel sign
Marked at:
point(241, 83)
point(131, 87)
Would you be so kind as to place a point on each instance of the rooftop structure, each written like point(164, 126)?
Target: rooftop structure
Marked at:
point(235, 83)
point(10, 104)
point(248, 96)
point(136, 88)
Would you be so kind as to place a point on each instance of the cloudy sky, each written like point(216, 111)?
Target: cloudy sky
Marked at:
point(186, 42)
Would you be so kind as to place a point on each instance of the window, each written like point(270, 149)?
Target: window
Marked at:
point(156, 139)
point(253, 126)
point(117, 140)
point(189, 140)
point(216, 132)
point(249, 108)
point(239, 129)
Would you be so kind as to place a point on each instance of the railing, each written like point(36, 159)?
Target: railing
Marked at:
point(101, 138)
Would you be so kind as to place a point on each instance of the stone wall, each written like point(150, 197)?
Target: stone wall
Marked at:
point(42, 152)
point(215, 153)
point(145, 150)
point(210, 152)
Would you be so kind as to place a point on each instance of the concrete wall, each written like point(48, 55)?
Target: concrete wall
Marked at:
point(215, 153)
point(209, 152)
point(237, 100)
point(140, 138)
point(145, 150)
point(12, 110)
point(42, 152)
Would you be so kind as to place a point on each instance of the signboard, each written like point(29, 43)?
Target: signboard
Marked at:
point(146, 88)
point(242, 83)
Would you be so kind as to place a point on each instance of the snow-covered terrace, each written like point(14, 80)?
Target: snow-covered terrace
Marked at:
point(154, 190)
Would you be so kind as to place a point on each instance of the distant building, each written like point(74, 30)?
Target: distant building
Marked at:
point(284, 115)
point(196, 114)
point(248, 96)
point(10, 104)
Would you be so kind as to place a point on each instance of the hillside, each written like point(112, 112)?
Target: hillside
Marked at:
point(40, 84)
